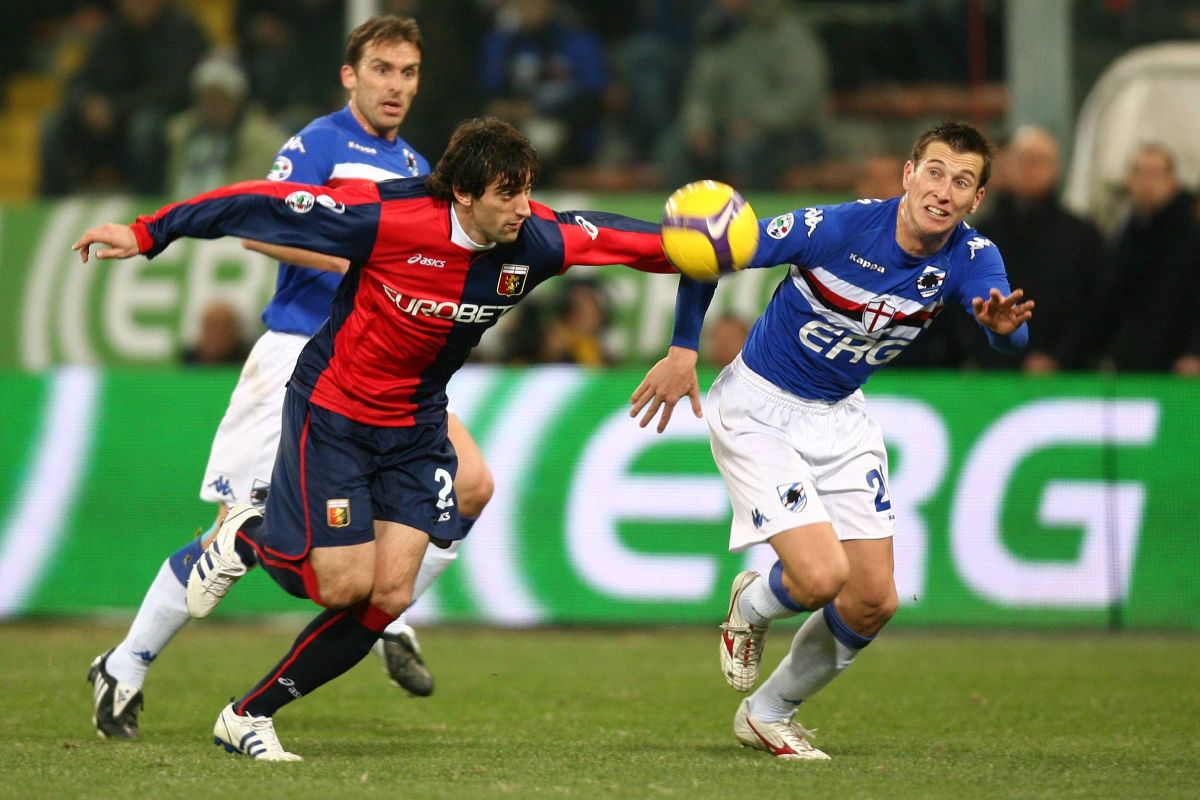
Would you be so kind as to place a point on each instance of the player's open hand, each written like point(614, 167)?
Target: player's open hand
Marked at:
point(667, 382)
point(121, 241)
point(1001, 314)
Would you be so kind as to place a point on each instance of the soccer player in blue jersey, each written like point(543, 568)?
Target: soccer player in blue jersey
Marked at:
point(358, 143)
point(364, 476)
point(804, 464)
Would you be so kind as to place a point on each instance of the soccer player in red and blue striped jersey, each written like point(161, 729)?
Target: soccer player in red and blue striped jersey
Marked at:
point(364, 476)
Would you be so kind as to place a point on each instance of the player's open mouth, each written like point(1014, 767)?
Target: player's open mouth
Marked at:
point(937, 212)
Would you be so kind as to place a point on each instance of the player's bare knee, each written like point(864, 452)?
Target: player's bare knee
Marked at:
point(818, 585)
point(868, 613)
point(394, 601)
point(476, 493)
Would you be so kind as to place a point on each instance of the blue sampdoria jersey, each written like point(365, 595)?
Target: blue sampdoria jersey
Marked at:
point(332, 150)
point(853, 298)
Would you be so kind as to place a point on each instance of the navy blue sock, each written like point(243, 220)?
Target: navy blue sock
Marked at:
point(242, 542)
point(332, 643)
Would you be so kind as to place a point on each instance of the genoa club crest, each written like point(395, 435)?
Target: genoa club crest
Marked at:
point(337, 513)
point(512, 279)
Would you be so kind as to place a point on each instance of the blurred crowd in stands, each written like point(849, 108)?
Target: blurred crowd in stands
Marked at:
point(770, 95)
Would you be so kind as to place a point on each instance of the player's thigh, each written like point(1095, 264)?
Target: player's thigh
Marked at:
point(473, 480)
point(815, 565)
point(345, 574)
point(398, 554)
point(243, 448)
point(770, 483)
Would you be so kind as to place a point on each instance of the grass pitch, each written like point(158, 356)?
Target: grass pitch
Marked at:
point(618, 714)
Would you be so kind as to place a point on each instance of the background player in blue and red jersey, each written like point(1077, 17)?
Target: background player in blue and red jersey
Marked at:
point(358, 143)
point(805, 466)
point(363, 480)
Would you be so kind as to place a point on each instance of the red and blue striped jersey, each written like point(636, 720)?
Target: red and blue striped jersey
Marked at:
point(418, 296)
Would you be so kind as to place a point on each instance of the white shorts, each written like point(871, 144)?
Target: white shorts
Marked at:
point(243, 450)
point(789, 462)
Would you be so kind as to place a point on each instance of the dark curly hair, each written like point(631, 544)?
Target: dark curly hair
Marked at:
point(482, 150)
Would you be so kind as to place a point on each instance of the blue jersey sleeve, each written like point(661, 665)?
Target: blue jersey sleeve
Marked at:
point(987, 272)
point(691, 303)
point(305, 158)
point(341, 222)
point(780, 242)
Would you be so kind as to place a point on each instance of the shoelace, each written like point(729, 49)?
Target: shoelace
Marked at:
point(752, 645)
point(264, 727)
point(224, 572)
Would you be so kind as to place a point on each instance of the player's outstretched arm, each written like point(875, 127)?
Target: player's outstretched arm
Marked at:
point(299, 256)
point(667, 382)
point(121, 241)
point(1000, 314)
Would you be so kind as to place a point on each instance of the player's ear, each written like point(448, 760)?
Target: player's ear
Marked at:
point(349, 79)
point(978, 199)
point(463, 198)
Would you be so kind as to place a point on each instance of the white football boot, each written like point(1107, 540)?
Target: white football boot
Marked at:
point(251, 736)
point(741, 642)
point(782, 738)
point(219, 566)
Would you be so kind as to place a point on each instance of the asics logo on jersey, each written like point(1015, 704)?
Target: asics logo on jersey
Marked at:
point(447, 309)
point(833, 342)
point(977, 244)
point(425, 261)
point(812, 218)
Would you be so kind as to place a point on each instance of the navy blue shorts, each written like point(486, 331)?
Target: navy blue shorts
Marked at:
point(334, 477)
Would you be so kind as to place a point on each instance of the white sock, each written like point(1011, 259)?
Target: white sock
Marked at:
point(162, 613)
point(817, 656)
point(760, 602)
point(433, 563)
point(759, 605)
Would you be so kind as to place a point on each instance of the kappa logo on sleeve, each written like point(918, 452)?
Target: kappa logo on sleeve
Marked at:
point(978, 243)
point(294, 143)
point(301, 202)
point(812, 218)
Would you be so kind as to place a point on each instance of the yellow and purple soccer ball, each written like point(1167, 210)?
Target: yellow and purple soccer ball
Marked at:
point(708, 230)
